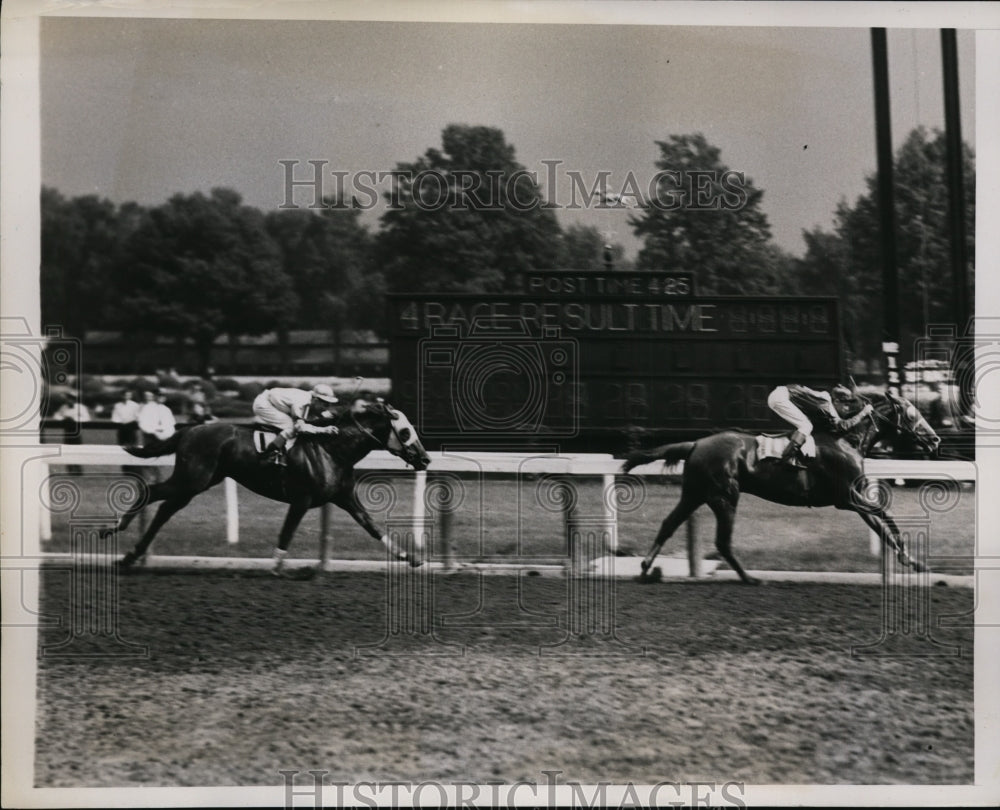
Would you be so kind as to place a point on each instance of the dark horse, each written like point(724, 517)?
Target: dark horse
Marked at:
point(320, 470)
point(719, 467)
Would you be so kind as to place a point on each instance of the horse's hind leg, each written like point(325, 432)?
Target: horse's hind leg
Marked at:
point(724, 508)
point(671, 522)
point(163, 514)
point(157, 492)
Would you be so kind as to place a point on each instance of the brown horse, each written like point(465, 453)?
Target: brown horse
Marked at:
point(719, 467)
point(320, 470)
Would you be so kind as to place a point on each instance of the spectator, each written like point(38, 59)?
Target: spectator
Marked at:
point(200, 414)
point(156, 420)
point(125, 415)
point(72, 414)
point(198, 411)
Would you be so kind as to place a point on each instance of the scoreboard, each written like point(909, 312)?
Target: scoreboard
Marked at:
point(568, 360)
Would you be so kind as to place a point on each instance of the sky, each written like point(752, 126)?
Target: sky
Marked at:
point(140, 109)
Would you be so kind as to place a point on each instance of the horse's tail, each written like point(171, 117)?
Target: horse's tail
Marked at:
point(156, 447)
point(670, 453)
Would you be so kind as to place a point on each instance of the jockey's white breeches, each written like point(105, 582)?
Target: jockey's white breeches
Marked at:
point(267, 414)
point(779, 402)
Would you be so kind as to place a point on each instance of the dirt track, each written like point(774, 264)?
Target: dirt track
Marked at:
point(247, 675)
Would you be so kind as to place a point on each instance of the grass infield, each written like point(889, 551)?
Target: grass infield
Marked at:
point(498, 519)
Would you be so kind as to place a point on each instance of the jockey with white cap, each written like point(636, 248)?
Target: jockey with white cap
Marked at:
point(288, 409)
point(793, 402)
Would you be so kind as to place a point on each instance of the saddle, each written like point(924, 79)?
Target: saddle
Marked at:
point(773, 445)
point(770, 447)
point(263, 436)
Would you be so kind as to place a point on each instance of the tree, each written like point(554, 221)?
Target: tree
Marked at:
point(583, 248)
point(198, 267)
point(80, 239)
point(851, 254)
point(326, 253)
point(465, 218)
point(707, 220)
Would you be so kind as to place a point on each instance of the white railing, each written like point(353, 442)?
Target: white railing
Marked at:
point(564, 468)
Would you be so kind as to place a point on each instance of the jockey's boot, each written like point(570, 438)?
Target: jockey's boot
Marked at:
point(275, 454)
point(795, 442)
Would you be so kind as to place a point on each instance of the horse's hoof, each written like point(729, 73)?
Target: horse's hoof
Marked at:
point(415, 562)
point(752, 581)
point(644, 565)
point(126, 563)
point(646, 577)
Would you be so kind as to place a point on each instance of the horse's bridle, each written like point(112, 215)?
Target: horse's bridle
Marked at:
point(875, 415)
point(371, 434)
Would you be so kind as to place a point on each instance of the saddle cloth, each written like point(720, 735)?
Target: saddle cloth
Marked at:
point(263, 438)
point(774, 446)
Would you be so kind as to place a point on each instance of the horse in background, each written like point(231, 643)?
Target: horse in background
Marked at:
point(320, 470)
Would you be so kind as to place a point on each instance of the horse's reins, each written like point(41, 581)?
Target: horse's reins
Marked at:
point(372, 436)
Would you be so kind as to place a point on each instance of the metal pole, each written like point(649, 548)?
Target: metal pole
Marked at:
point(886, 207)
point(955, 172)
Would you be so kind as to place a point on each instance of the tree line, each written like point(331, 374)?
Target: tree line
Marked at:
point(201, 266)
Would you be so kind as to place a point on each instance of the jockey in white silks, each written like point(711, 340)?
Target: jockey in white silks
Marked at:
point(288, 409)
point(791, 402)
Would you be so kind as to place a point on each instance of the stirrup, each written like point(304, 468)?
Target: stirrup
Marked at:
point(274, 456)
point(792, 455)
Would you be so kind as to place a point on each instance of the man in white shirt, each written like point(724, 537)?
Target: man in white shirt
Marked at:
point(72, 413)
point(125, 415)
point(156, 420)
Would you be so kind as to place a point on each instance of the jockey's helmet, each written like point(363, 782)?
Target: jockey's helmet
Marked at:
point(325, 393)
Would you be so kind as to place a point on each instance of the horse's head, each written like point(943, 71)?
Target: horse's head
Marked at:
point(907, 421)
point(397, 435)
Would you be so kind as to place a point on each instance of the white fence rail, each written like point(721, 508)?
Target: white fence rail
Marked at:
point(567, 468)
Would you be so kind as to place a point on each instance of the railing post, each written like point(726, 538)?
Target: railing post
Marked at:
point(324, 537)
point(694, 557)
point(447, 516)
point(44, 513)
point(874, 543)
point(419, 508)
point(232, 513)
point(610, 511)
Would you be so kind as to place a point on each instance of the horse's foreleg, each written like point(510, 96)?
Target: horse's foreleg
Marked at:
point(163, 514)
point(670, 524)
point(348, 501)
point(725, 517)
point(296, 511)
point(884, 526)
